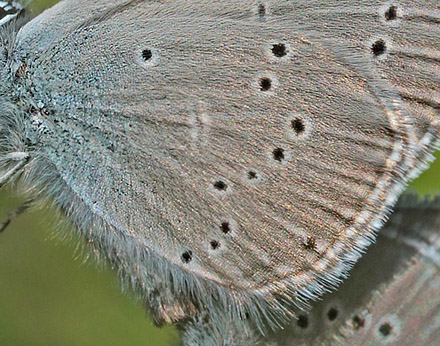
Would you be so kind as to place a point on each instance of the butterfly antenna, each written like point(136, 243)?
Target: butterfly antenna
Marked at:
point(21, 158)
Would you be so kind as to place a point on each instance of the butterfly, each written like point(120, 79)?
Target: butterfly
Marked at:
point(231, 159)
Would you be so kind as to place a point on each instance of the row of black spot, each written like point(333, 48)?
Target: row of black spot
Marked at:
point(218, 185)
point(298, 128)
point(279, 50)
point(385, 329)
point(225, 227)
point(379, 47)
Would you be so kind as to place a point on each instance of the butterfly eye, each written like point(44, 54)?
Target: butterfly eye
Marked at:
point(265, 84)
point(279, 50)
point(147, 54)
point(379, 47)
point(278, 154)
point(391, 13)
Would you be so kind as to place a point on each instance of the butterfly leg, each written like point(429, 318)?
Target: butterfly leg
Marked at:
point(14, 214)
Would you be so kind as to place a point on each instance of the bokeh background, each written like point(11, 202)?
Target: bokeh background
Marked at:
point(50, 297)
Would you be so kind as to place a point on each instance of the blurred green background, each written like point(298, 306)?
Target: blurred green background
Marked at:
point(49, 297)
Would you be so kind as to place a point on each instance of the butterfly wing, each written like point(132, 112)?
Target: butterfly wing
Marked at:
point(238, 147)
